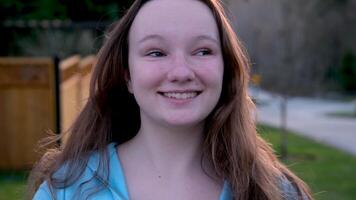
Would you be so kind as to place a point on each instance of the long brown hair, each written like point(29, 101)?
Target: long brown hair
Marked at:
point(111, 114)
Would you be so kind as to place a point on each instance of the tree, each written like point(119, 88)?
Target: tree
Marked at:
point(19, 41)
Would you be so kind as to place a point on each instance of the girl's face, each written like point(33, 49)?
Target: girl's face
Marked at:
point(175, 62)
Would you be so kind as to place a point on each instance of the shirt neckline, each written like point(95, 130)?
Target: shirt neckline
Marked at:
point(117, 178)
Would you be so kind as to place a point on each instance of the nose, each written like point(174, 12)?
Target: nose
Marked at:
point(180, 71)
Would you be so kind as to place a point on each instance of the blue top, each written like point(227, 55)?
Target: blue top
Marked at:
point(94, 185)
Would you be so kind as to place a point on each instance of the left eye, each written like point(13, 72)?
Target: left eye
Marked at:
point(155, 54)
point(203, 52)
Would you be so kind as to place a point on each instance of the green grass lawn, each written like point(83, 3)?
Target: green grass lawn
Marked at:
point(343, 114)
point(330, 173)
point(12, 185)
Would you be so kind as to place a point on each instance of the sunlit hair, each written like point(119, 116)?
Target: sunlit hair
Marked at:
point(111, 114)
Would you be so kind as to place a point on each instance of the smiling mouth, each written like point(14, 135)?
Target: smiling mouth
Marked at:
point(180, 95)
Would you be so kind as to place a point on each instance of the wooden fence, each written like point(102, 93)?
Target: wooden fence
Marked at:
point(74, 88)
point(69, 90)
point(29, 107)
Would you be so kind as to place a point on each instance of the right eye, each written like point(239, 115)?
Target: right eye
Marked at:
point(155, 53)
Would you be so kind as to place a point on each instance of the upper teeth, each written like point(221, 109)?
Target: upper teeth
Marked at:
point(185, 95)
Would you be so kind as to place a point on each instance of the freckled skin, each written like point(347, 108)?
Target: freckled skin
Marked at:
point(183, 54)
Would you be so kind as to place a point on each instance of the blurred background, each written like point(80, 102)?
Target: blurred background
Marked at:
point(303, 80)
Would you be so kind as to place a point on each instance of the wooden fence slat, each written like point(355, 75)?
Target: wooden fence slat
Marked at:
point(27, 108)
point(28, 103)
point(69, 90)
point(85, 67)
point(23, 72)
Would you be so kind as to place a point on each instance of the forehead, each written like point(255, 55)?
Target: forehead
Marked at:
point(174, 17)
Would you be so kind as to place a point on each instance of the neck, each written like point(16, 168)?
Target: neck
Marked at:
point(169, 149)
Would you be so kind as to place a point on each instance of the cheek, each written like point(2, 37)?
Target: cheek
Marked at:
point(212, 75)
point(144, 77)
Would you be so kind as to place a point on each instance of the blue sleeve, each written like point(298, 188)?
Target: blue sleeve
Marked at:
point(43, 193)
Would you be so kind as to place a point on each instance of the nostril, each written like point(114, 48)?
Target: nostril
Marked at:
point(182, 73)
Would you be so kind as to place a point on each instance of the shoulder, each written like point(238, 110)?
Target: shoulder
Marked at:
point(290, 191)
point(43, 192)
point(226, 193)
point(92, 181)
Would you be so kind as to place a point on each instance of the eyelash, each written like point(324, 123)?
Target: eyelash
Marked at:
point(154, 53)
point(204, 50)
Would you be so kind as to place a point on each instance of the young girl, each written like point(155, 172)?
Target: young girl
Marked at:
point(168, 116)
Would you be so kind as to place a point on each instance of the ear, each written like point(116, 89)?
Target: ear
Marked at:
point(128, 81)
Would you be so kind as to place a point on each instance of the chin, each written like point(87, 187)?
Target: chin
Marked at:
point(184, 123)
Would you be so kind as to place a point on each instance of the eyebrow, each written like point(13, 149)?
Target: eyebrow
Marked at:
point(150, 37)
point(159, 37)
point(207, 37)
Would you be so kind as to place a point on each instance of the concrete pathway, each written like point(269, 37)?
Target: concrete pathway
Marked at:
point(308, 117)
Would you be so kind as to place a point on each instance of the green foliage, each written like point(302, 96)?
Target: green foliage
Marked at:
point(85, 10)
point(36, 9)
point(95, 11)
point(346, 73)
point(91, 10)
point(45, 9)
